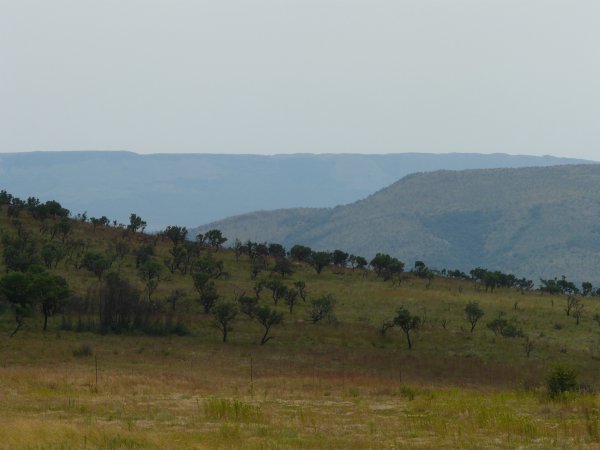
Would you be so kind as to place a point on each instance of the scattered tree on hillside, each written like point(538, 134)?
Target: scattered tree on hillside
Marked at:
point(248, 305)
point(291, 296)
point(277, 251)
point(500, 326)
point(150, 272)
point(176, 234)
point(473, 313)
point(386, 266)
point(212, 238)
point(267, 317)
point(277, 288)
point(283, 266)
point(224, 315)
point(99, 222)
point(15, 289)
point(322, 308)
point(301, 253)
point(206, 289)
point(572, 303)
point(96, 263)
point(578, 311)
point(301, 288)
point(52, 254)
point(357, 262)
point(136, 223)
point(340, 258)
point(50, 291)
point(320, 260)
point(405, 320)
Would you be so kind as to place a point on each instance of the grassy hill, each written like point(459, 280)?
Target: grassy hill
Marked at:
point(330, 384)
point(191, 189)
point(536, 222)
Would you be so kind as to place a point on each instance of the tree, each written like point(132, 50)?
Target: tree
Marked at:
point(96, 263)
point(51, 291)
point(506, 328)
point(175, 297)
point(587, 288)
point(357, 262)
point(136, 223)
point(19, 254)
point(52, 254)
point(150, 273)
point(248, 305)
point(572, 303)
point(142, 254)
point(301, 288)
point(322, 308)
point(340, 258)
point(278, 289)
point(267, 317)
point(213, 238)
point(276, 251)
point(283, 266)
point(176, 234)
point(301, 253)
point(207, 290)
point(320, 260)
point(578, 311)
point(291, 296)
point(119, 303)
point(209, 265)
point(474, 313)
point(99, 222)
point(561, 379)
point(407, 322)
point(386, 266)
point(15, 289)
point(62, 229)
point(224, 315)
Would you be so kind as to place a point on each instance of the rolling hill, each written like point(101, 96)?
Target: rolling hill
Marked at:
point(535, 222)
point(190, 189)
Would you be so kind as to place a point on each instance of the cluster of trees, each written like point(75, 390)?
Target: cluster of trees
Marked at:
point(116, 303)
point(495, 279)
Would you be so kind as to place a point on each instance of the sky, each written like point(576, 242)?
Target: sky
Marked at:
point(288, 76)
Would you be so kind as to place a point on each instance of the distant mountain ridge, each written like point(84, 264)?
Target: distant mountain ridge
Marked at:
point(191, 189)
point(535, 222)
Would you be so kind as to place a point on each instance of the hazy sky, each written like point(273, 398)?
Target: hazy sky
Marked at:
point(283, 76)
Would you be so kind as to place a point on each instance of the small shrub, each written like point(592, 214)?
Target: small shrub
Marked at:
point(407, 392)
point(561, 379)
point(322, 308)
point(83, 350)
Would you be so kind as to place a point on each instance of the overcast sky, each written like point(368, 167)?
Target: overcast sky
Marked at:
point(285, 76)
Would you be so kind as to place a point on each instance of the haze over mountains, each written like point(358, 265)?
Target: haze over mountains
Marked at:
point(534, 222)
point(192, 189)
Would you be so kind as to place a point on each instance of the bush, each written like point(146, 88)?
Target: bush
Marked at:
point(561, 379)
point(322, 308)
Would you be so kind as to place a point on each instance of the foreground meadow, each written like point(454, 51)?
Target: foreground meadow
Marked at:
point(313, 386)
point(179, 393)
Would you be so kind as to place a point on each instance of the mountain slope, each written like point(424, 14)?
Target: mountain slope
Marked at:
point(188, 189)
point(531, 221)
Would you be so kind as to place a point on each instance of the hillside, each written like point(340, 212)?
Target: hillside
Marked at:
point(191, 189)
point(537, 222)
point(132, 358)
